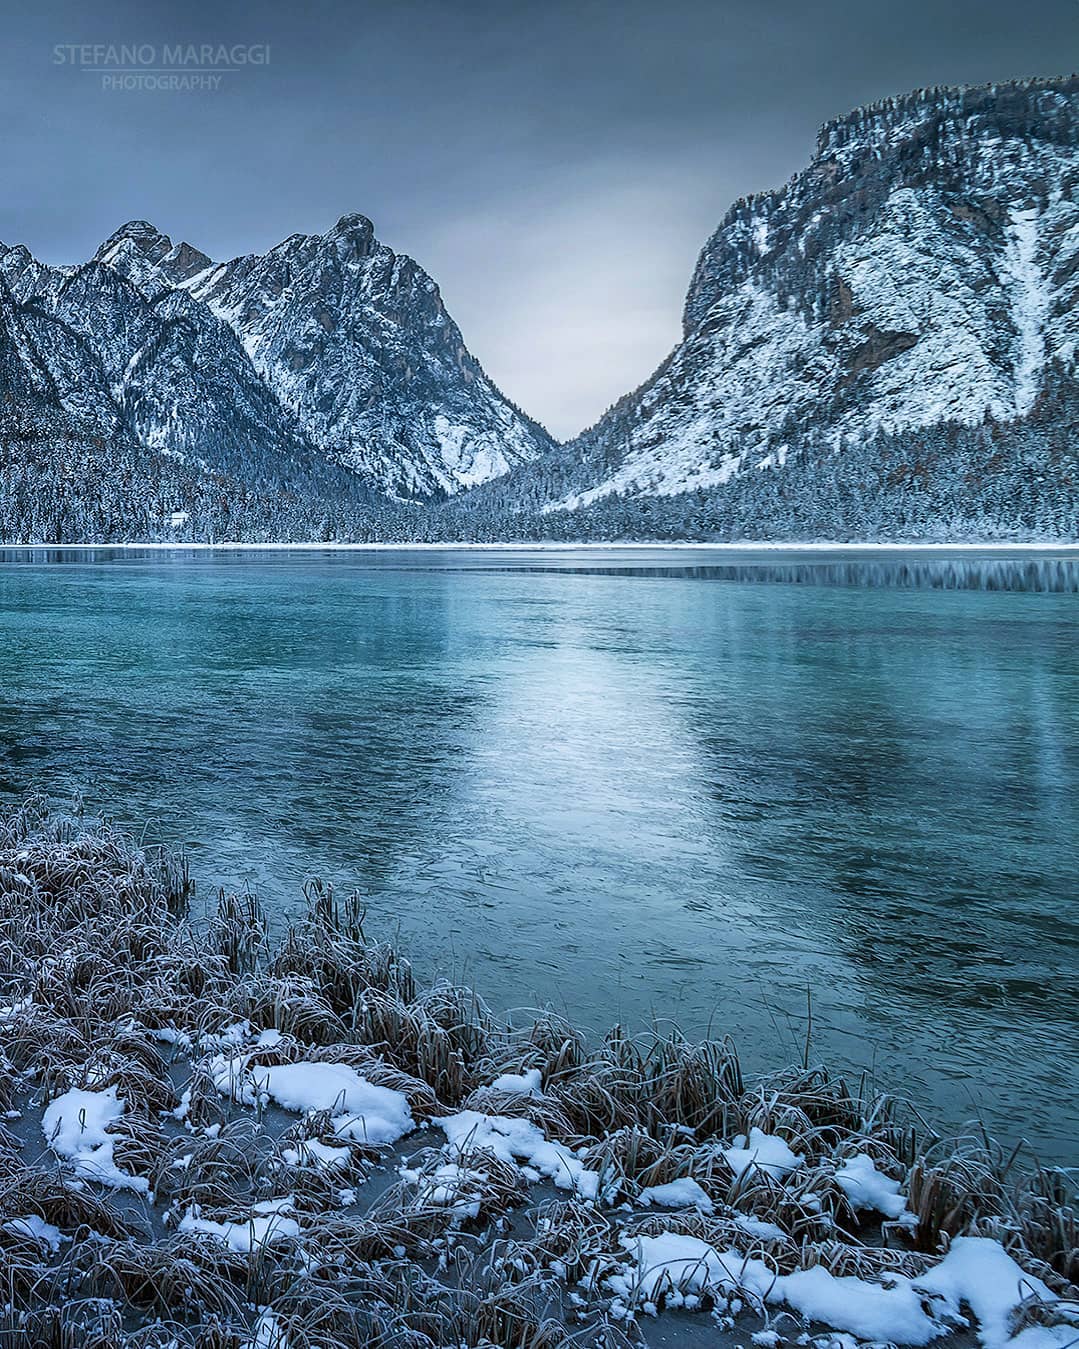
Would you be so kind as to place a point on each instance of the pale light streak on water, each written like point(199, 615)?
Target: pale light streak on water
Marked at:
point(624, 782)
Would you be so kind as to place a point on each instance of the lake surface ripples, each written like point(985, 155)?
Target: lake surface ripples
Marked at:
point(688, 784)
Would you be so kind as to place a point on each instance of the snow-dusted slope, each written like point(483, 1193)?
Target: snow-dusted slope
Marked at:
point(884, 347)
point(329, 344)
point(923, 268)
point(356, 340)
point(161, 371)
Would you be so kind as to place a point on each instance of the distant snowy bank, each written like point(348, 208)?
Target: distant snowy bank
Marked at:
point(548, 546)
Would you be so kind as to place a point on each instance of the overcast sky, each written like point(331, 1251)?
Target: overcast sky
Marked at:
point(555, 166)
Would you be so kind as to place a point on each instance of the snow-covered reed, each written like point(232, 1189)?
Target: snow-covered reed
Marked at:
point(209, 1142)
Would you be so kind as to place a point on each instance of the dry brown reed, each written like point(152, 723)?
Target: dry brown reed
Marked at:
point(108, 984)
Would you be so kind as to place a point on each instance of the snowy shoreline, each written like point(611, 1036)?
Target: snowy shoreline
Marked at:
point(546, 546)
point(212, 1141)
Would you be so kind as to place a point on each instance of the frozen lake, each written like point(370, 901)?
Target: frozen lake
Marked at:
point(692, 784)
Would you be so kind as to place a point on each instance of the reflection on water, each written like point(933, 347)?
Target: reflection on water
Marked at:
point(1051, 575)
point(1048, 572)
point(628, 782)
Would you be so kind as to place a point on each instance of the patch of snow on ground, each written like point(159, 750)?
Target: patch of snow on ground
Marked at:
point(269, 1222)
point(872, 1311)
point(75, 1126)
point(361, 1110)
point(977, 1273)
point(267, 1333)
point(37, 1229)
point(311, 1152)
point(757, 1227)
point(14, 1010)
point(867, 1189)
point(680, 1269)
point(683, 1193)
point(450, 1186)
point(528, 1083)
point(518, 1140)
point(762, 1152)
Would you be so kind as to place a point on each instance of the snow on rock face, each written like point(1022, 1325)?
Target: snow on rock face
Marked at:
point(144, 254)
point(145, 362)
point(518, 1140)
point(76, 1127)
point(329, 347)
point(354, 340)
point(922, 268)
point(360, 1110)
point(1030, 305)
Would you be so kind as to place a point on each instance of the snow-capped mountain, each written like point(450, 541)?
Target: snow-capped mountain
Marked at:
point(329, 346)
point(923, 269)
point(162, 371)
point(883, 348)
point(356, 340)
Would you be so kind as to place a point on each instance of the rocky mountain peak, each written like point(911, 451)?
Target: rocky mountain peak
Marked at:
point(148, 258)
point(138, 236)
point(328, 344)
point(353, 238)
point(353, 225)
point(976, 144)
point(1044, 108)
point(183, 261)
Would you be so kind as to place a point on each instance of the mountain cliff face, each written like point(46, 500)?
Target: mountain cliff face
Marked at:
point(356, 340)
point(328, 348)
point(923, 269)
point(884, 348)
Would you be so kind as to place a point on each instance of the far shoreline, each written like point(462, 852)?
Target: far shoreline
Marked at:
point(748, 546)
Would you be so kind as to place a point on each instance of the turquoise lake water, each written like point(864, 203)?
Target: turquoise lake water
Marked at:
point(687, 784)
